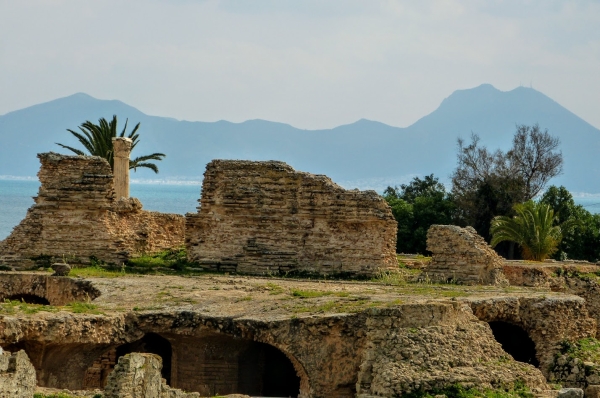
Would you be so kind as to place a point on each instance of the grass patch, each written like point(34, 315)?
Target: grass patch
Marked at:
point(316, 293)
point(13, 306)
point(587, 349)
point(96, 272)
point(83, 308)
point(175, 259)
point(458, 391)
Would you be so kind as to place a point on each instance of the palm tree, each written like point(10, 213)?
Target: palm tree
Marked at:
point(533, 228)
point(97, 140)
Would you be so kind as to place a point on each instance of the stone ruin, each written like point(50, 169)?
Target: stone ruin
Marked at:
point(77, 216)
point(461, 255)
point(17, 375)
point(266, 217)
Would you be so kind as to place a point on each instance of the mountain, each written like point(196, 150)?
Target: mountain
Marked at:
point(366, 153)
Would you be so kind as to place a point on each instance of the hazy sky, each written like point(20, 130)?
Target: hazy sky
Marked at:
point(313, 64)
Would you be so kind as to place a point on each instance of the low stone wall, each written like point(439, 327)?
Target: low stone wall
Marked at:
point(17, 375)
point(461, 255)
point(265, 217)
point(75, 218)
point(56, 290)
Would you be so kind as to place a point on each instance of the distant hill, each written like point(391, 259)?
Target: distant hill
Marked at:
point(364, 154)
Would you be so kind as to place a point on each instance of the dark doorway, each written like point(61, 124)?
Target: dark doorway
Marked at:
point(29, 299)
point(151, 343)
point(515, 341)
point(266, 371)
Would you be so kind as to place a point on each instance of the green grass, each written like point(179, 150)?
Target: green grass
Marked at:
point(95, 272)
point(83, 308)
point(587, 349)
point(316, 293)
point(458, 391)
point(14, 306)
point(175, 259)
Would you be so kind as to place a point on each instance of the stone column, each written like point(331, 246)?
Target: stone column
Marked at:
point(121, 148)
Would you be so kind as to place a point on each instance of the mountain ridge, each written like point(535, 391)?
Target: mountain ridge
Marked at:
point(363, 150)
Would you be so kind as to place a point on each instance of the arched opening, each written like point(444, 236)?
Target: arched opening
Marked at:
point(217, 364)
point(152, 343)
point(29, 299)
point(265, 371)
point(515, 341)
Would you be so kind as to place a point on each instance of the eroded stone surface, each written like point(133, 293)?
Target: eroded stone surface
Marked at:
point(461, 255)
point(343, 333)
point(138, 375)
point(75, 217)
point(265, 217)
point(17, 375)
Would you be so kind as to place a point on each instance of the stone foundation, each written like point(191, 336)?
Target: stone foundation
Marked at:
point(460, 255)
point(75, 218)
point(55, 290)
point(265, 217)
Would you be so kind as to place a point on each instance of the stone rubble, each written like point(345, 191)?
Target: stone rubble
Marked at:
point(460, 255)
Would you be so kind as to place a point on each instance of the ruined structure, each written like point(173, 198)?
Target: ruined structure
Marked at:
point(461, 255)
point(17, 375)
point(139, 376)
point(76, 217)
point(265, 217)
point(44, 289)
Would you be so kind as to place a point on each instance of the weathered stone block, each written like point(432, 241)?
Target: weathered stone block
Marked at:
point(461, 255)
point(266, 217)
point(17, 375)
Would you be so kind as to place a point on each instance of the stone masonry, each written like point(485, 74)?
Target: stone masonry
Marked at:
point(461, 255)
point(266, 217)
point(138, 375)
point(75, 217)
point(17, 375)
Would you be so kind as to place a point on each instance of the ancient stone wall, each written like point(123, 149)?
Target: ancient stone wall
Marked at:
point(461, 255)
point(75, 217)
point(265, 217)
point(17, 375)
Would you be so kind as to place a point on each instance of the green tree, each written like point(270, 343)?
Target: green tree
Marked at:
point(533, 228)
point(97, 141)
point(582, 241)
point(487, 184)
point(416, 206)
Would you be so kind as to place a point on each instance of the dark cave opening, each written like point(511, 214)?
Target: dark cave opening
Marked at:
point(29, 299)
point(266, 371)
point(515, 341)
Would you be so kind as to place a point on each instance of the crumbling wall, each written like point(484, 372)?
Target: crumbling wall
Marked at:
point(138, 376)
point(461, 255)
point(17, 375)
point(75, 217)
point(265, 217)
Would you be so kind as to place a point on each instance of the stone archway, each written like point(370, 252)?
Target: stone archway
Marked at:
point(221, 364)
point(515, 341)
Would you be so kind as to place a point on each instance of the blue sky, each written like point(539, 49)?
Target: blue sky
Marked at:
point(313, 64)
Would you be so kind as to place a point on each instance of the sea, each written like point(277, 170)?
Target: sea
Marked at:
point(16, 196)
